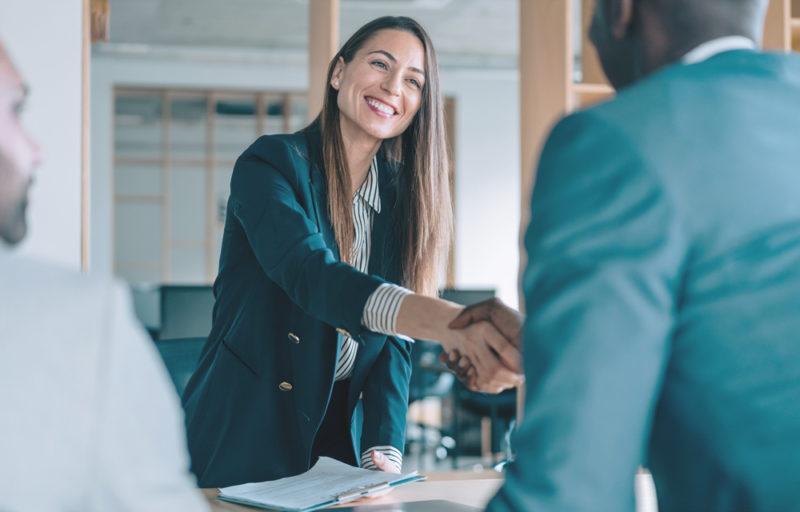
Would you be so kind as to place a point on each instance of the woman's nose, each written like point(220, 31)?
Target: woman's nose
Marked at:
point(392, 84)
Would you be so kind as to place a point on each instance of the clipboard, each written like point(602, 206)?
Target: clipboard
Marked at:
point(328, 483)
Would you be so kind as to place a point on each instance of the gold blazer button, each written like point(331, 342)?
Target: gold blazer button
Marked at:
point(285, 386)
point(294, 338)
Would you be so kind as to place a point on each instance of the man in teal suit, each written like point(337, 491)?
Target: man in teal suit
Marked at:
point(663, 283)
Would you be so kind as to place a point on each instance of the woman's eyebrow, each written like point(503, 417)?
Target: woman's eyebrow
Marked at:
point(393, 59)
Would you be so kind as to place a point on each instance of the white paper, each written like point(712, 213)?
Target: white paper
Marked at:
point(322, 484)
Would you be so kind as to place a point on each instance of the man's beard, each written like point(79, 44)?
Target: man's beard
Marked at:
point(13, 229)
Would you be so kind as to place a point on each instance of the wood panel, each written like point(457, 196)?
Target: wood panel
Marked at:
point(777, 26)
point(545, 61)
point(587, 94)
point(323, 43)
point(99, 19)
point(591, 70)
point(209, 160)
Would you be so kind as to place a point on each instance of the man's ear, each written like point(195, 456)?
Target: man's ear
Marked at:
point(620, 17)
point(336, 76)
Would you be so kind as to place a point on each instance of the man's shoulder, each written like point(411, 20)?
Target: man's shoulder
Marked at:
point(36, 276)
point(51, 313)
point(54, 294)
point(680, 92)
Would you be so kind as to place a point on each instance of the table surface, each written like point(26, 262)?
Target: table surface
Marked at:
point(465, 487)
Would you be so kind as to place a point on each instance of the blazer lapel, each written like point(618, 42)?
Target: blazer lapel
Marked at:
point(319, 190)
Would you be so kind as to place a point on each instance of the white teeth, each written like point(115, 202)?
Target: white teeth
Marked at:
point(386, 109)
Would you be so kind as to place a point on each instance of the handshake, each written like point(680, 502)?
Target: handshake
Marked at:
point(484, 350)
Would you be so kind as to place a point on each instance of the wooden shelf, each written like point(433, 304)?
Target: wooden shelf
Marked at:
point(585, 94)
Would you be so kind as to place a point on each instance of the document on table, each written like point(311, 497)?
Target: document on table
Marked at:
point(328, 483)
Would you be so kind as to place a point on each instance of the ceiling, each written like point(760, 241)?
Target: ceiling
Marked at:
point(486, 31)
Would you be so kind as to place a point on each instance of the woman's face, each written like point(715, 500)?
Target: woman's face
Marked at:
point(380, 89)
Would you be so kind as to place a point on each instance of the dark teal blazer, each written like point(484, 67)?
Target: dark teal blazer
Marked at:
point(280, 295)
point(663, 297)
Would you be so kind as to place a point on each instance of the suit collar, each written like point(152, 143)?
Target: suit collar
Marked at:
point(716, 46)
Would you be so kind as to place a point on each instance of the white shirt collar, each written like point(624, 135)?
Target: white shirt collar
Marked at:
point(716, 46)
point(369, 191)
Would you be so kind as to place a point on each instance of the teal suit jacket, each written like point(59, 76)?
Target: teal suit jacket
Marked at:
point(663, 297)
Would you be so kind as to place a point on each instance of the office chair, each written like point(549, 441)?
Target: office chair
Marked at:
point(429, 379)
point(180, 356)
point(497, 413)
point(185, 311)
point(146, 306)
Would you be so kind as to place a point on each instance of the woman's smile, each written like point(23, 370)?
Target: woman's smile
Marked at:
point(380, 108)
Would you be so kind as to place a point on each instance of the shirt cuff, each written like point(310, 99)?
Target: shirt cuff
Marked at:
point(392, 454)
point(382, 307)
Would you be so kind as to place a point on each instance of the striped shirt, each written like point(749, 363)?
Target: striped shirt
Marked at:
point(382, 306)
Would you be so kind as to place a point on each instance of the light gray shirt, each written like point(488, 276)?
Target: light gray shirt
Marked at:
point(90, 420)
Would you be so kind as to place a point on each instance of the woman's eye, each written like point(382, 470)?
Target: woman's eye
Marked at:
point(415, 83)
point(379, 64)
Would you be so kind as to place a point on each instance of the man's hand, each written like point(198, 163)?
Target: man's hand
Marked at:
point(505, 319)
point(495, 357)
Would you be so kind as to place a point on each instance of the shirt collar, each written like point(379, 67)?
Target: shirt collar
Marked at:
point(716, 46)
point(369, 191)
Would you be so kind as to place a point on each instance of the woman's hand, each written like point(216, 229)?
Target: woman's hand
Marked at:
point(383, 463)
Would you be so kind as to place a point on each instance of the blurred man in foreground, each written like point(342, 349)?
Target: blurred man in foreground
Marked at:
point(90, 420)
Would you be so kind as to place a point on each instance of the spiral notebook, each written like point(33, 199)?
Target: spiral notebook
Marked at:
point(328, 483)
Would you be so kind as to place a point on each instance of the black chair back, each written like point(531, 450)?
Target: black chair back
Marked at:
point(181, 356)
point(186, 311)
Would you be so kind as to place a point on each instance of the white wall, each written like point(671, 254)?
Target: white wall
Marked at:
point(487, 178)
point(487, 147)
point(44, 40)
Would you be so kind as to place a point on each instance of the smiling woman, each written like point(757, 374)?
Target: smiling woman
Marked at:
point(329, 233)
point(381, 94)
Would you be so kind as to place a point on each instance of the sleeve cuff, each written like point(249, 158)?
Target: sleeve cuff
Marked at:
point(392, 454)
point(382, 307)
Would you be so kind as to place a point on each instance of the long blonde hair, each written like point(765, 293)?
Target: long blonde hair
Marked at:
point(424, 208)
